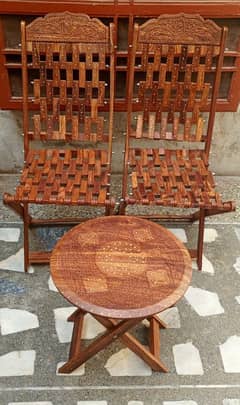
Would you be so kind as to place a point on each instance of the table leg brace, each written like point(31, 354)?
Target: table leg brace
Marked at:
point(152, 359)
point(100, 343)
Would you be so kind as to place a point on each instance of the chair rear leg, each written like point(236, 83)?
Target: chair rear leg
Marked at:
point(200, 238)
point(26, 237)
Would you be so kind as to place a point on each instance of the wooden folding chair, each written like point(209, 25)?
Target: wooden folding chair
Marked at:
point(175, 66)
point(71, 59)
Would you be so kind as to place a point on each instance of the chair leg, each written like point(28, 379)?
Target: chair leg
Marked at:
point(200, 238)
point(122, 207)
point(15, 206)
point(109, 210)
point(26, 236)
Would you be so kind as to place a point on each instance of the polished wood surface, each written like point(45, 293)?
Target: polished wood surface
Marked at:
point(69, 54)
point(175, 66)
point(126, 13)
point(121, 267)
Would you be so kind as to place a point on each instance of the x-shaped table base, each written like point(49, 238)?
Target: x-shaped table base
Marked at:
point(115, 330)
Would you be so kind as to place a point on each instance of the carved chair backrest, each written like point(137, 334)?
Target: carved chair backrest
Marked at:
point(175, 70)
point(71, 59)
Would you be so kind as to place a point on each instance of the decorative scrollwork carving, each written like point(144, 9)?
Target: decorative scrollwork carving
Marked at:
point(180, 28)
point(67, 27)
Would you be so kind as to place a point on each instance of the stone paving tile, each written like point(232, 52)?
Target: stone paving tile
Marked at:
point(51, 285)
point(31, 403)
point(17, 320)
point(179, 233)
point(187, 359)
point(237, 265)
point(170, 316)
point(230, 352)
point(205, 303)
point(127, 363)
point(79, 371)
point(207, 266)
point(17, 363)
point(210, 235)
point(92, 403)
point(237, 231)
point(238, 299)
point(135, 403)
point(179, 403)
point(63, 327)
point(15, 263)
point(91, 328)
point(9, 234)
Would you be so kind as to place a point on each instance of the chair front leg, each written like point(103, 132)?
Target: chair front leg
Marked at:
point(26, 236)
point(200, 238)
point(109, 210)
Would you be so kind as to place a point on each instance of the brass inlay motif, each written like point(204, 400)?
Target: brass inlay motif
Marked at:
point(121, 258)
point(93, 285)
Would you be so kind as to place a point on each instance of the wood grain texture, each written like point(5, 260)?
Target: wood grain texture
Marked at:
point(121, 267)
point(68, 53)
point(152, 359)
point(171, 82)
point(75, 177)
point(175, 65)
point(59, 27)
point(184, 28)
point(178, 178)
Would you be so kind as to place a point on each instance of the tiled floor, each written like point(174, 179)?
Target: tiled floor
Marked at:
point(201, 346)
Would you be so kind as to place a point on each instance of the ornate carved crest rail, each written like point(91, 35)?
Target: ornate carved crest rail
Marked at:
point(124, 13)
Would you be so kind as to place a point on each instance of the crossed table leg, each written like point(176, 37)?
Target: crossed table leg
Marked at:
point(114, 331)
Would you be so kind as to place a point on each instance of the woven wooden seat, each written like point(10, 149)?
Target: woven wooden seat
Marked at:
point(65, 177)
point(175, 178)
point(174, 76)
point(70, 58)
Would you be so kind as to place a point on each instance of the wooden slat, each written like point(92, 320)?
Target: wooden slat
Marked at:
point(39, 257)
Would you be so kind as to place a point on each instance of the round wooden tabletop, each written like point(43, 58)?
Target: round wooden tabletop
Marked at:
point(121, 267)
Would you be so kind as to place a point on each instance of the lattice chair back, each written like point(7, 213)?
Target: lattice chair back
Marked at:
point(70, 58)
point(175, 70)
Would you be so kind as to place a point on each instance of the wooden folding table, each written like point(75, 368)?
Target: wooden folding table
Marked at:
point(121, 269)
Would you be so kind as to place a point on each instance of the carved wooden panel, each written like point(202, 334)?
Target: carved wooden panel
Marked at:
point(124, 15)
point(182, 28)
point(68, 27)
